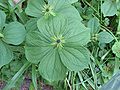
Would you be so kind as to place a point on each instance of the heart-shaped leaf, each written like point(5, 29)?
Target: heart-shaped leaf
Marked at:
point(105, 37)
point(109, 8)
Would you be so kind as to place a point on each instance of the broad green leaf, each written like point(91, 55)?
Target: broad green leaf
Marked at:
point(53, 26)
point(55, 35)
point(60, 26)
point(14, 33)
point(2, 19)
point(109, 8)
point(70, 12)
point(75, 59)
point(116, 49)
point(35, 8)
point(51, 67)
point(31, 24)
point(33, 49)
point(94, 25)
point(105, 37)
point(6, 54)
point(82, 38)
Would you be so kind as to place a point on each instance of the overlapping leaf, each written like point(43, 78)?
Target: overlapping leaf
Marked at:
point(13, 33)
point(40, 47)
point(35, 8)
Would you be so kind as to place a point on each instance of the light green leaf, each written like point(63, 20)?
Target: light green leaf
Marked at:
point(53, 26)
point(116, 49)
point(60, 26)
point(105, 37)
point(33, 49)
point(31, 24)
point(38, 8)
point(80, 38)
point(14, 33)
point(6, 54)
point(2, 19)
point(70, 12)
point(58, 34)
point(75, 59)
point(51, 67)
point(35, 8)
point(94, 25)
point(109, 8)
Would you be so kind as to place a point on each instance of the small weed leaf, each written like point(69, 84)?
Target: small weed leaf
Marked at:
point(116, 49)
point(105, 37)
point(94, 25)
point(109, 8)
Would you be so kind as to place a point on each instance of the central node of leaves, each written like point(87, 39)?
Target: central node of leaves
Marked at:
point(48, 10)
point(1, 35)
point(58, 41)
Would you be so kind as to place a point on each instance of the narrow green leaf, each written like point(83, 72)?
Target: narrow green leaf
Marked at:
point(34, 77)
